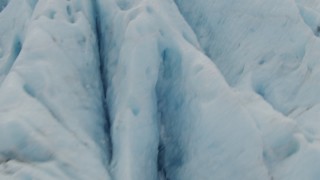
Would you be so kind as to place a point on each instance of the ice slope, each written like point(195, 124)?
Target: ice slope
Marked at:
point(160, 84)
point(159, 89)
point(268, 48)
point(154, 64)
point(51, 98)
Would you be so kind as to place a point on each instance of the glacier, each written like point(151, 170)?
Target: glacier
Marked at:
point(159, 90)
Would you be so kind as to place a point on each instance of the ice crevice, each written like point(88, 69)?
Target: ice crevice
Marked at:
point(12, 40)
point(310, 15)
point(103, 75)
point(3, 4)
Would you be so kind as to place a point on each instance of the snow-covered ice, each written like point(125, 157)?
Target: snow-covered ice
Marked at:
point(159, 89)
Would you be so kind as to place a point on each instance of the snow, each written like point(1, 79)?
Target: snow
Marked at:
point(148, 90)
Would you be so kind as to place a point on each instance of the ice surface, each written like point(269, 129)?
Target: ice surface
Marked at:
point(268, 48)
point(159, 89)
point(52, 115)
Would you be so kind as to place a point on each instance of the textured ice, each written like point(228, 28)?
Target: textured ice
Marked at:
point(159, 89)
point(52, 116)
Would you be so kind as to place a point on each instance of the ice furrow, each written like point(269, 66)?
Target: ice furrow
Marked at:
point(133, 120)
point(154, 90)
point(311, 18)
point(12, 34)
point(103, 76)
